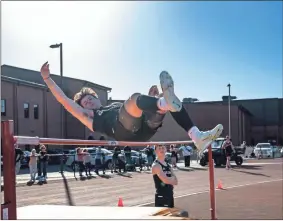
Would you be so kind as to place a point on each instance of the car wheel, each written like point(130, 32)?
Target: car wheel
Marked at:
point(109, 165)
point(239, 161)
point(75, 167)
point(217, 162)
point(202, 162)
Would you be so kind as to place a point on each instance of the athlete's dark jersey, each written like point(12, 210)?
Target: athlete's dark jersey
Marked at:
point(107, 120)
point(162, 188)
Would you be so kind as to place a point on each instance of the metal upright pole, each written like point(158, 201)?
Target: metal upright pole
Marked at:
point(62, 87)
point(9, 207)
point(229, 108)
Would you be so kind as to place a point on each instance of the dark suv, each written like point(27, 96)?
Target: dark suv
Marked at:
point(219, 156)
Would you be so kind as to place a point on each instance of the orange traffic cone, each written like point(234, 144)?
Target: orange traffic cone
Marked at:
point(219, 185)
point(120, 202)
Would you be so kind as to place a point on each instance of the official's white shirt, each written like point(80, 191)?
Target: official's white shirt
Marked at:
point(186, 150)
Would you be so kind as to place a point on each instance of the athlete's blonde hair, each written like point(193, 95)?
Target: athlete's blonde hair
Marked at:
point(82, 93)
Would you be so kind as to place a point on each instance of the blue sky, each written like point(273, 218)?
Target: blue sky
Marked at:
point(204, 45)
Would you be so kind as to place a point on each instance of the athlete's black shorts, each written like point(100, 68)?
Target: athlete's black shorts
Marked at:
point(162, 200)
point(116, 122)
point(137, 129)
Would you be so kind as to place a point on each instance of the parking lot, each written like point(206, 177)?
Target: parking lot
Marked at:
point(247, 191)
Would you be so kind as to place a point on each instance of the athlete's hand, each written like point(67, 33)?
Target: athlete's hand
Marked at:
point(45, 72)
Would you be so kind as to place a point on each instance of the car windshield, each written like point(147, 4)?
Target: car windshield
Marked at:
point(263, 146)
point(216, 144)
point(105, 151)
point(26, 153)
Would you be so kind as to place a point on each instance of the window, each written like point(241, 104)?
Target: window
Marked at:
point(35, 111)
point(3, 107)
point(26, 110)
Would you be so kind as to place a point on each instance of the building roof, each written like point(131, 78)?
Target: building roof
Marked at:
point(23, 82)
point(28, 71)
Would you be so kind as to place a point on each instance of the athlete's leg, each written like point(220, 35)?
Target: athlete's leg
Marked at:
point(201, 139)
point(153, 107)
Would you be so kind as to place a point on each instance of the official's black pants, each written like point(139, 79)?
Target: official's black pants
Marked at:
point(187, 160)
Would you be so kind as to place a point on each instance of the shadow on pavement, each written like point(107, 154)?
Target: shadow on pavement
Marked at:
point(249, 167)
point(251, 173)
point(127, 175)
point(105, 176)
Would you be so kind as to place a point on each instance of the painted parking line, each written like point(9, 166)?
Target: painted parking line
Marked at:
point(206, 191)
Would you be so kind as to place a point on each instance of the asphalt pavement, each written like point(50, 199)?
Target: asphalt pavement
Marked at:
point(246, 187)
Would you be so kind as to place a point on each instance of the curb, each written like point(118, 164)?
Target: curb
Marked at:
point(50, 180)
point(191, 168)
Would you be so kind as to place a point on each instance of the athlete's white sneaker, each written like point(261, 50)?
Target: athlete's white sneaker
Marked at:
point(203, 139)
point(167, 85)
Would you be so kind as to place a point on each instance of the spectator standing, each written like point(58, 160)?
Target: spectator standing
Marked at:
point(244, 147)
point(149, 154)
point(128, 157)
point(33, 165)
point(173, 156)
point(80, 160)
point(98, 160)
point(98, 157)
point(103, 163)
point(116, 153)
point(186, 151)
point(18, 157)
point(42, 163)
point(87, 162)
point(227, 146)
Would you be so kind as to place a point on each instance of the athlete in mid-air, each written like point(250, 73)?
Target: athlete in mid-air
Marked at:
point(137, 119)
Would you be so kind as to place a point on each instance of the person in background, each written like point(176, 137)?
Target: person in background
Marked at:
point(33, 165)
point(128, 156)
point(18, 157)
point(87, 162)
point(140, 160)
point(186, 151)
point(149, 154)
point(80, 160)
point(116, 153)
point(244, 147)
point(103, 163)
point(164, 179)
point(154, 154)
point(98, 157)
point(42, 163)
point(227, 146)
point(173, 156)
point(98, 160)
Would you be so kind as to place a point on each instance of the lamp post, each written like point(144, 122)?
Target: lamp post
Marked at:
point(61, 82)
point(229, 107)
point(62, 109)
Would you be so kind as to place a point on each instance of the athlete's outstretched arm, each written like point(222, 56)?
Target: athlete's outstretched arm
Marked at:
point(72, 107)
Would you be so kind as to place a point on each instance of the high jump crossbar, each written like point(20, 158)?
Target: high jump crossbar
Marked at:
point(9, 207)
point(22, 140)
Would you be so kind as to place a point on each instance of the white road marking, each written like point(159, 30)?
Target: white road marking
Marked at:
point(206, 191)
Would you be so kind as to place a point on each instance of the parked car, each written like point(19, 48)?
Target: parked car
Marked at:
point(25, 159)
point(263, 150)
point(71, 159)
point(135, 157)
